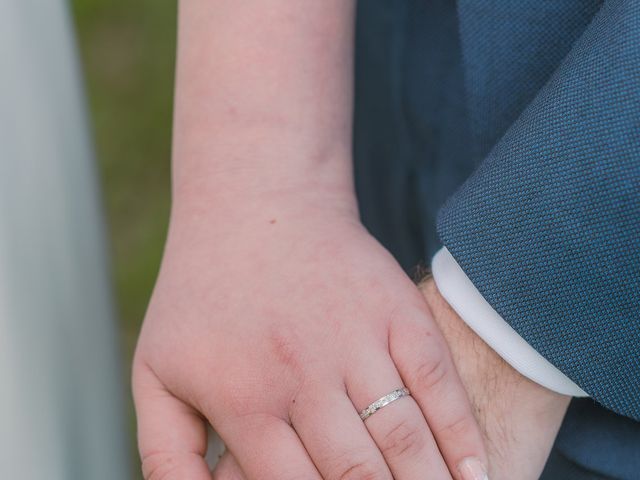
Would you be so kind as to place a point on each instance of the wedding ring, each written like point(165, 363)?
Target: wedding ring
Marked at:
point(383, 402)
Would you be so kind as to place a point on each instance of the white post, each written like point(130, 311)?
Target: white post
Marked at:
point(61, 396)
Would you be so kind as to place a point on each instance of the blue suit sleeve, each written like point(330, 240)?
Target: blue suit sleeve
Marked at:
point(548, 226)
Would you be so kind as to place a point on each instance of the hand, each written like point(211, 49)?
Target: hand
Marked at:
point(277, 321)
point(519, 418)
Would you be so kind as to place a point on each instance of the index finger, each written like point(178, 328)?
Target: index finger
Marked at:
point(172, 436)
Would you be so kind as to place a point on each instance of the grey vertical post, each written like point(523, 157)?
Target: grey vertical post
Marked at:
point(61, 396)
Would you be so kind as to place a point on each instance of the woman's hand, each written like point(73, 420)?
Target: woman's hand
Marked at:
point(519, 418)
point(276, 317)
point(276, 322)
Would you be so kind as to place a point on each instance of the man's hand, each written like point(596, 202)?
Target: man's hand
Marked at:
point(520, 418)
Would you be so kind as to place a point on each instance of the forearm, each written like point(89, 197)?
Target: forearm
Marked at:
point(263, 98)
point(520, 418)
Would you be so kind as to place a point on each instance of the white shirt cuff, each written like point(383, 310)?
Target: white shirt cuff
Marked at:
point(475, 311)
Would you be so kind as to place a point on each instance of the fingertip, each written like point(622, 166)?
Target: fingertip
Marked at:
point(471, 468)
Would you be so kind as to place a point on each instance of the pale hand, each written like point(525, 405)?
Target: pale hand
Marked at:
point(278, 321)
point(519, 418)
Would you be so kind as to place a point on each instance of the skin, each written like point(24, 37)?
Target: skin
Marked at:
point(276, 317)
point(520, 419)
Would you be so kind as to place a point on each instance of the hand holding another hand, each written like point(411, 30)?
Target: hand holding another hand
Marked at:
point(519, 418)
point(277, 323)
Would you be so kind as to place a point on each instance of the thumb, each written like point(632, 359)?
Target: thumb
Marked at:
point(172, 437)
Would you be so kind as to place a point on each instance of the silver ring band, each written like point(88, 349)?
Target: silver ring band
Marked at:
point(383, 402)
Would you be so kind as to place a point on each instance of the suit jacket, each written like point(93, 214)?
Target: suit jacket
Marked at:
point(509, 131)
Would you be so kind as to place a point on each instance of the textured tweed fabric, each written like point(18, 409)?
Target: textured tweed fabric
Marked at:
point(548, 227)
point(560, 467)
point(541, 99)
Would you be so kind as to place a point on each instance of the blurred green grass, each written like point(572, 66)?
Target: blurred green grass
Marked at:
point(128, 50)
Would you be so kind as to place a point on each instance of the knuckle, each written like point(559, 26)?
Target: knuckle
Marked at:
point(362, 471)
point(459, 428)
point(164, 465)
point(404, 440)
point(288, 351)
point(431, 371)
point(356, 465)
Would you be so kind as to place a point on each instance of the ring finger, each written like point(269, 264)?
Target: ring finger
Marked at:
point(399, 429)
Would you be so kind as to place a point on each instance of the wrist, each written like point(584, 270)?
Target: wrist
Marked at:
point(489, 361)
point(256, 161)
point(520, 418)
point(232, 200)
point(258, 224)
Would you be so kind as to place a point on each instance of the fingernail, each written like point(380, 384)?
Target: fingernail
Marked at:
point(472, 469)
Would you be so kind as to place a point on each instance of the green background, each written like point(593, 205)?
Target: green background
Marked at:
point(127, 50)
